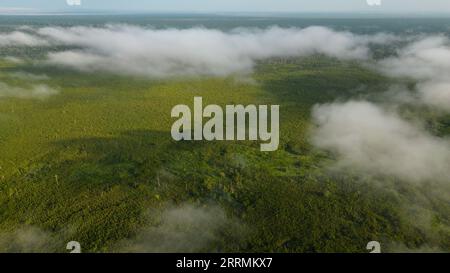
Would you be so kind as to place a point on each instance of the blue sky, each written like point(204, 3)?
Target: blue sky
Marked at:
point(234, 5)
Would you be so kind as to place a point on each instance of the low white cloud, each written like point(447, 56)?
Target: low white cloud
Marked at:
point(364, 136)
point(185, 228)
point(13, 60)
point(423, 59)
point(19, 38)
point(402, 248)
point(436, 94)
point(196, 51)
point(134, 50)
point(26, 240)
point(428, 62)
point(28, 76)
point(38, 91)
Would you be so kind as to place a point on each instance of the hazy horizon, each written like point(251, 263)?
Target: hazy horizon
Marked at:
point(231, 6)
point(275, 14)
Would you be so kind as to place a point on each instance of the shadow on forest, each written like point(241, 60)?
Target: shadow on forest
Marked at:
point(95, 190)
point(307, 81)
point(101, 186)
point(132, 159)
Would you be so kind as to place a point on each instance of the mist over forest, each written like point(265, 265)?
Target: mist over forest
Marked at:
point(86, 153)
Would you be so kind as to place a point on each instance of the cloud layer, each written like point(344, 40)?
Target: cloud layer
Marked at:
point(373, 140)
point(26, 239)
point(135, 50)
point(186, 228)
point(428, 62)
point(20, 38)
point(37, 91)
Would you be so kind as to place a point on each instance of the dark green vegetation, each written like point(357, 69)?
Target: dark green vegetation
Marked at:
point(96, 164)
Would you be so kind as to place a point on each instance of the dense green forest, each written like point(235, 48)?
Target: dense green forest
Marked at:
point(95, 163)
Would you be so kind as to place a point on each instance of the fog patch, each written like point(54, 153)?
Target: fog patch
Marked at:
point(428, 62)
point(13, 60)
point(26, 240)
point(20, 38)
point(135, 50)
point(402, 248)
point(436, 94)
point(366, 137)
point(28, 76)
point(38, 91)
point(186, 228)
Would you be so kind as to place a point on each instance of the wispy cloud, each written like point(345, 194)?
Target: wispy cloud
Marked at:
point(35, 91)
point(364, 136)
point(26, 239)
point(185, 228)
point(134, 50)
point(19, 38)
point(197, 51)
point(428, 62)
point(28, 76)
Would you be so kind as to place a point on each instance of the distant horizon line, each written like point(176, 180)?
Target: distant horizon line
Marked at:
point(37, 12)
